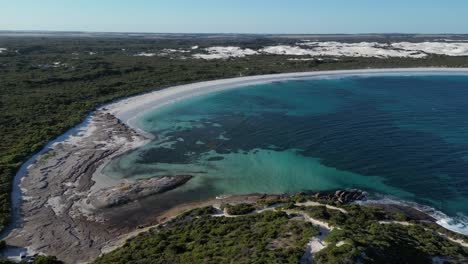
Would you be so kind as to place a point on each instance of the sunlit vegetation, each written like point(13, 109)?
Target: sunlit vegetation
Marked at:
point(359, 235)
point(364, 239)
point(269, 237)
point(46, 260)
point(48, 85)
point(239, 209)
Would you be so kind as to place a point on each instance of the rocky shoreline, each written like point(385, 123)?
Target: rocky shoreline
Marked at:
point(341, 196)
point(61, 193)
point(66, 199)
point(131, 191)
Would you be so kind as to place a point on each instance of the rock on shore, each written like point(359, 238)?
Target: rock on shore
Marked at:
point(342, 196)
point(130, 191)
point(54, 219)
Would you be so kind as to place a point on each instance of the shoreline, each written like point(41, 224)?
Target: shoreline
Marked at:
point(127, 110)
point(17, 192)
point(316, 243)
point(57, 216)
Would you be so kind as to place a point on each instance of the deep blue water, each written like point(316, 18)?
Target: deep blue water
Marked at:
point(405, 137)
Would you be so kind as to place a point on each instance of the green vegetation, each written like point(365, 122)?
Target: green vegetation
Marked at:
point(446, 232)
point(333, 217)
point(361, 235)
point(368, 241)
point(268, 202)
point(240, 209)
point(46, 260)
point(207, 210)
point(48, 85)
point(269, 237)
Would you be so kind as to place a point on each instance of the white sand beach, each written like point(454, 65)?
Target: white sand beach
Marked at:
point(72, 171)
point(130, 109)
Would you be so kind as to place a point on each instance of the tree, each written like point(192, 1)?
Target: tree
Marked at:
point(47, 260)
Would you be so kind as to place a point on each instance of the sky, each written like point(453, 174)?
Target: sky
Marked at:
point(237, 16)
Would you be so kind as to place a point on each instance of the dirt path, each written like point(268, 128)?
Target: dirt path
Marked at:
point(310, 203)
point(316, 243)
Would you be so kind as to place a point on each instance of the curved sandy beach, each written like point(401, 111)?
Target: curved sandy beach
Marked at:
point(128, 110)
point(68, 179)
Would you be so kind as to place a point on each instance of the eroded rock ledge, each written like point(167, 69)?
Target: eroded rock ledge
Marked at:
point(130, 191)
point(342, 196)
point(56, 218)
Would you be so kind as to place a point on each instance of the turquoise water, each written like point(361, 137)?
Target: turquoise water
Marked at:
point(404, 137)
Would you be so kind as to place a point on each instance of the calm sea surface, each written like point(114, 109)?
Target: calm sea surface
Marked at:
point(404, 137)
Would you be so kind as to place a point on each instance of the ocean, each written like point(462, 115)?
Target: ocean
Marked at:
point(400, 138)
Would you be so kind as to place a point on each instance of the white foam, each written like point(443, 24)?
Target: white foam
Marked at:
point(458, 224)
point(2, 50)
point(131, 108)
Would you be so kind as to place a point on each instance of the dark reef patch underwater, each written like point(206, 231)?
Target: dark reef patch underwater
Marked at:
point(404, 137)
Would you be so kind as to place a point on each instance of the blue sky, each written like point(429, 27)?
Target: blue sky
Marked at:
point(237, 16)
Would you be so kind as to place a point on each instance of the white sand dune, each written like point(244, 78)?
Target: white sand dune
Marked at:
point(337, 49)
point(144, 54)
point(224, 53)
point(288, 50)
point(441, 48)
point(342, 49)
point(361, 49)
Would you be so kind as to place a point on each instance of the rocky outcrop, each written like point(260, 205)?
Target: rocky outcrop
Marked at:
point(131, 191)
point(55, 220)
point(410, 212)
point(342, 196)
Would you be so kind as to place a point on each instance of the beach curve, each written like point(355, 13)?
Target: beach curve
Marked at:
point(128, 110)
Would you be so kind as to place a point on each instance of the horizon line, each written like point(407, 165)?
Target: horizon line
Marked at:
point(213, 33)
